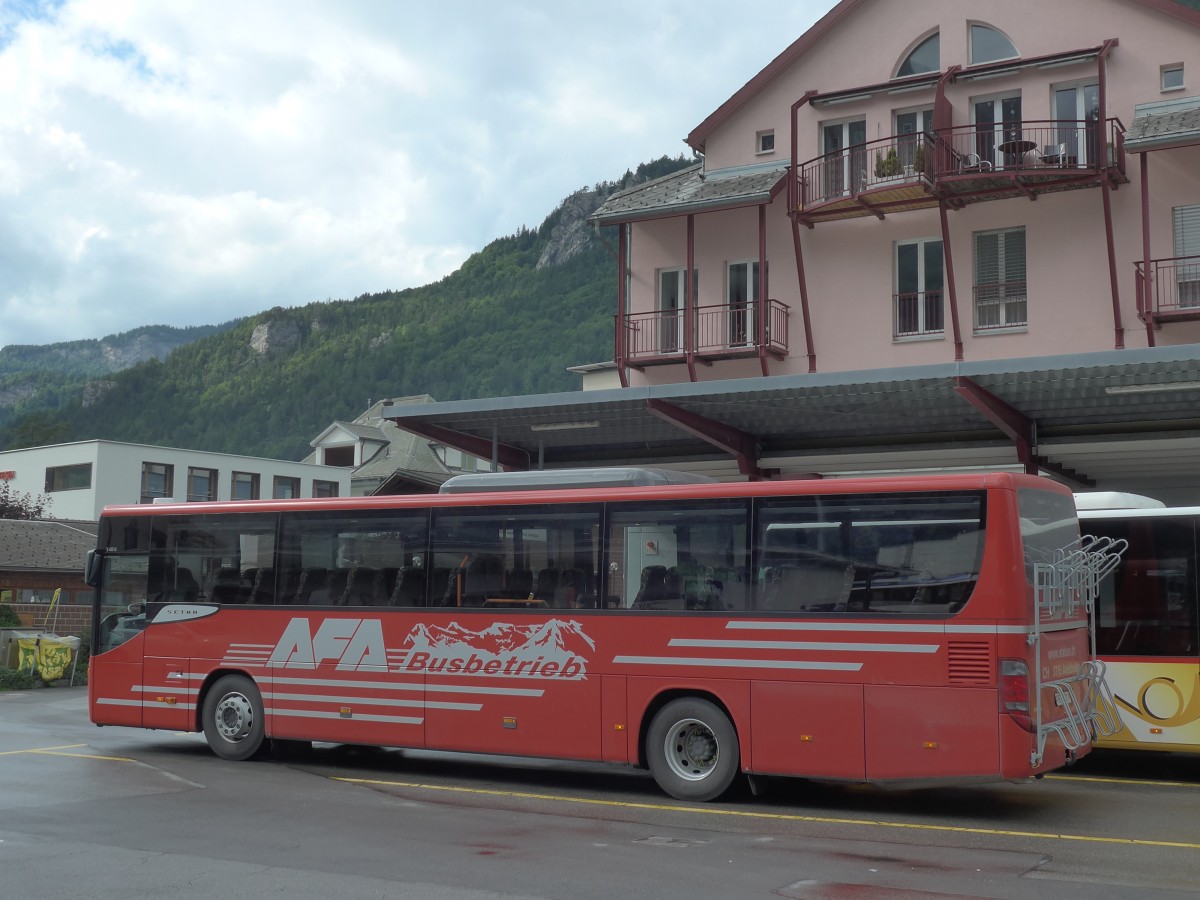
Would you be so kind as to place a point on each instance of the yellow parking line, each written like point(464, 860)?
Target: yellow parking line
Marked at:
point(1100, 779)
point(57, 751)
point(789, 817)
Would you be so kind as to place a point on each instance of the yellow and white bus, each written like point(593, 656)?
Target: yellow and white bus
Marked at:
point(1148, 618)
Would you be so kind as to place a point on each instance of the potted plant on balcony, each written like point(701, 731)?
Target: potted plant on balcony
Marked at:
point(919, 159)
point(889, 166)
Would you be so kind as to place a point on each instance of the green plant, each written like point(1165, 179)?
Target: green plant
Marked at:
point(919, 158)
point(9, 617)
point(16, 680)
point(887, 166)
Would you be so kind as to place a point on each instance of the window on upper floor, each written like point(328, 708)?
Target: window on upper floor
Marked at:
point(325, 488)
point(157, 481)
point(68, 478)
point(285, 488)
point(1185, 225)
point(1001, 299)
point(201, 484)
point(764, 141)
point(917, 309)
point(244, 486)
point(339, 456)
point(743, 296)
point(989, 45)
point(672, 293)
point(925, 57)
point(1171, 77)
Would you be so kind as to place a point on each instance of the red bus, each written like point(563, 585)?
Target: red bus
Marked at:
point(915, 630)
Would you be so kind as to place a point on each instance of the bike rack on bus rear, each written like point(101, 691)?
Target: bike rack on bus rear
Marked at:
point(1072, 578)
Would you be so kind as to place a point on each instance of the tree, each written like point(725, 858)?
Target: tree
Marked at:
point(21, 506)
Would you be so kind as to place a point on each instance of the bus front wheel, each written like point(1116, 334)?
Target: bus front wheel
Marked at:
point(233, 718)
point(692, 749)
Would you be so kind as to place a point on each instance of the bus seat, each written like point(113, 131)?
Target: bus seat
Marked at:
point(546, 584)
point(484, 578)
point(806, 587)
point(263, 589)
point(410, 587)
point(312, 580)
point(653, 589)
point(362, 587)
point(335, 587)
point(570, 588)
point(186, 589)
point(519, 582)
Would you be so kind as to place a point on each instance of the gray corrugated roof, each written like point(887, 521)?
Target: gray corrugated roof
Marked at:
point(691, 190)
point(45, 544)
point(1167, 124)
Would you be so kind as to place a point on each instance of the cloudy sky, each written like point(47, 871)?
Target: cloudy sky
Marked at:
point(186, 162)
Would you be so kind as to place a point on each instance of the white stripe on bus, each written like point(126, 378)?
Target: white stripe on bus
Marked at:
point(316, 714)
point(807, 645)
point(372, 701)
point(737, 663)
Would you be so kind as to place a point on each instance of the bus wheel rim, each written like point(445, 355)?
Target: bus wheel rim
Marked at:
point(691, 750)
point(234, 717)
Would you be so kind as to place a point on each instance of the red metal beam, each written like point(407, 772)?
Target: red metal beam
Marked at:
point(1105, 186)
point(951, 283)
point(619, 338)
point(760, 320)
point(1016, 426)
point(742, 446)
point(689, 301)
point(507, 456)
point(1145, 296)
point(808, 335)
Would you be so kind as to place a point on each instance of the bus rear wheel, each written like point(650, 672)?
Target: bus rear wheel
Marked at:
point(233, 718)
point(692, 749)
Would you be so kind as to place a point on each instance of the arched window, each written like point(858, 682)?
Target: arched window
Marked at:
point(989, 45)
point(925, 57)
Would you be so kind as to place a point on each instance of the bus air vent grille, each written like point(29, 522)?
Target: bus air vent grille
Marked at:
point(970, 662)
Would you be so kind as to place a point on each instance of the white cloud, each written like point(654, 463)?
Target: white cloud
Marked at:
point(189, 162)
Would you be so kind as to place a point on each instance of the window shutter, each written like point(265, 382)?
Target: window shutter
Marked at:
point(1187, 230)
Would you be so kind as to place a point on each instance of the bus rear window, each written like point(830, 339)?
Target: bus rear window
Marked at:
point(1048, 526)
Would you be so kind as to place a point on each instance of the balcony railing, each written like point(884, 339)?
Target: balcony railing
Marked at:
point(918, 313)
point(1003, 304)
point(723, 331)
point(1174, 289)
point(963, 164)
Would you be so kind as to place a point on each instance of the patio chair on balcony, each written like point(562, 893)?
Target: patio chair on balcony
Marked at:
point(1053, 155)
point(973, 162)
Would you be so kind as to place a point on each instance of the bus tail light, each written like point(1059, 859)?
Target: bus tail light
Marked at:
point(1014, 691)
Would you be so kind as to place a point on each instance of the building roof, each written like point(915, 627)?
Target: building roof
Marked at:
point(1166, 124)
point(56, 545)
point(1091, 414)
point(1187, 11)
point(690, 191)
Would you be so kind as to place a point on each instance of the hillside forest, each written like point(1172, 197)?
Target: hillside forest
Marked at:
point(509, 321)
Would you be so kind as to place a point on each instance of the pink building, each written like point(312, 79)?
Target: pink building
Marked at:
point(910, 184)
point(927, 236)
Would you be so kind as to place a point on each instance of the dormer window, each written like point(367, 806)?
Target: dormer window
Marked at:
point(925, 57)
point(989, 45)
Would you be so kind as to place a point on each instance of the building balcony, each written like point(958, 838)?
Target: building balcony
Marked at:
point(723, 331)
point(1169, 291)
point(957, 166)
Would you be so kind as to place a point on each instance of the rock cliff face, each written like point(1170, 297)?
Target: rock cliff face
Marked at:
point(571, 233)
point(275, 336)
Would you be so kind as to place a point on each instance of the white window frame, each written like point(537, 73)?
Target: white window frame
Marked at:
point(741, 316)
point(764, 142)
point(1012, 312)
point(1168, 70)
point(1185, 231)
point(923, 331)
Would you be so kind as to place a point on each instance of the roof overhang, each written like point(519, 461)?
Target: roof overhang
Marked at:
point(1069, 407)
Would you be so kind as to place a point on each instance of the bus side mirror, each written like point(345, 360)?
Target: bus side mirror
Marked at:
point(92, 568)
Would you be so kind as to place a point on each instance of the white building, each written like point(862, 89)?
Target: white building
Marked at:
point(81, 478)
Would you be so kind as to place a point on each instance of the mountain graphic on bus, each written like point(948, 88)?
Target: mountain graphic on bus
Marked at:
point(556, 640)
